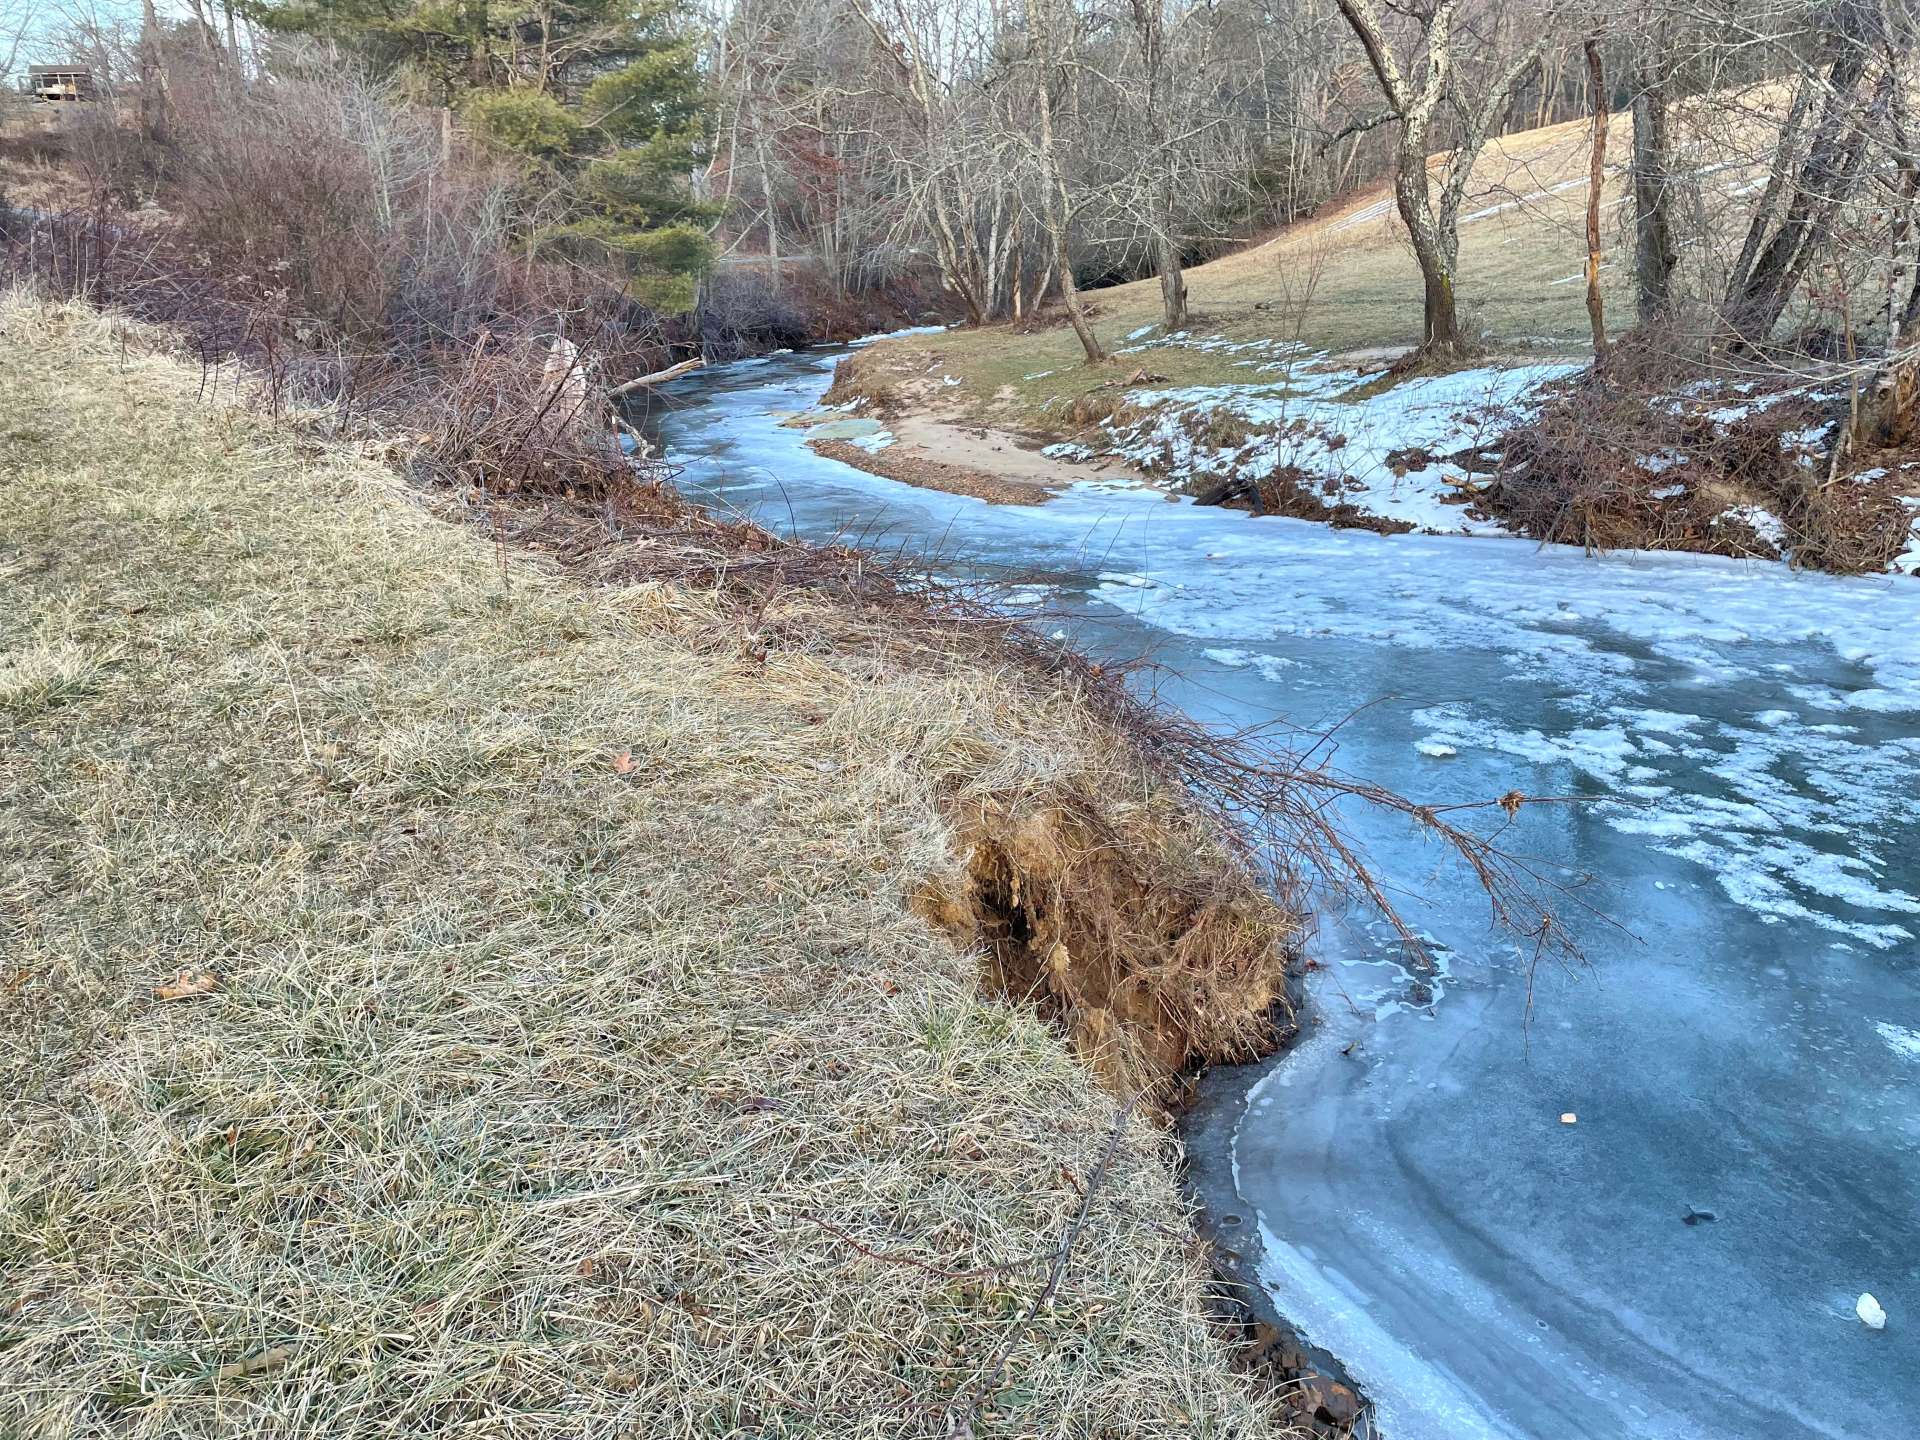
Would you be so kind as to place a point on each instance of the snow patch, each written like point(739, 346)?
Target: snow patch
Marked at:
point(1763, 522)
point(1359, 451)
point(1903, 1042)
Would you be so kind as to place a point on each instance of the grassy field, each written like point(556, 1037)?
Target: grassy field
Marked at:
point(1340, 283)
point(442, 998)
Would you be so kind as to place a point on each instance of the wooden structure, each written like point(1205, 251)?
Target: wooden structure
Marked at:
point(59, 82)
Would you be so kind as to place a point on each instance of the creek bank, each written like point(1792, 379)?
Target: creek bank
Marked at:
point(1742, 735)
point(916, 467)
point(713, 803)
point(947, 453)
point(1543, 450)
point(1753, 468)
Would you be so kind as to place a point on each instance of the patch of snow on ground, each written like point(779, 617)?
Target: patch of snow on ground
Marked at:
point(1307, 423)
point(1067, 450)
point(1505, 205)
point(1360, 217)
point(1267, 354)
point(1907, 562)
point(1764, 523)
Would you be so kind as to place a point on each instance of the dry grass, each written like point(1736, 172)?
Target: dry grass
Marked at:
point(1342, 281)
point(577, 1064)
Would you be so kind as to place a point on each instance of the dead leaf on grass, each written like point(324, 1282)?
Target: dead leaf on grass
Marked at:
point(623, 763)
point(187, 985)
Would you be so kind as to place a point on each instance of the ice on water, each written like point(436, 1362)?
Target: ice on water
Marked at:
point(1732, 749)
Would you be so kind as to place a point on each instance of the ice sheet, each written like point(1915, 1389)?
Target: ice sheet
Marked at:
point(1730, 747)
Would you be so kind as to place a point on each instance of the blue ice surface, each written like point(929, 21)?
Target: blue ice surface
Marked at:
point(1738, 749)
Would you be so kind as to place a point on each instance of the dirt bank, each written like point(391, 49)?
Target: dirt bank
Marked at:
point(933, 446)
point(440, 987)
point(913, 466)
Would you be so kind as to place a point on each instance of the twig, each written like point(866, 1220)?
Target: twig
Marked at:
point(965, 1408)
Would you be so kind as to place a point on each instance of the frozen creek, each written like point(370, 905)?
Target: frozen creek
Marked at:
point(1749, 1050)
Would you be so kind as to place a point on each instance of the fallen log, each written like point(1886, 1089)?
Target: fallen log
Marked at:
point(1222, 489)
point(658, 377)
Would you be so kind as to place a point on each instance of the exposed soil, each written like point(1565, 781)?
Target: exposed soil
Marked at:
point(912, 466)
point(939, 447)
point(1146, 963)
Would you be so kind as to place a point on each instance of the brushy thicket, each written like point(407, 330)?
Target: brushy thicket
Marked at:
point(360, 257)
point(1647, 453)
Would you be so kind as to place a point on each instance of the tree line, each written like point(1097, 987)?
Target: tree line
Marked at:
point(1022, 151)
point(1027, 148)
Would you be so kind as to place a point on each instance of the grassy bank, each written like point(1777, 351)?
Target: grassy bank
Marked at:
point(1341, 283)
point(442, 997)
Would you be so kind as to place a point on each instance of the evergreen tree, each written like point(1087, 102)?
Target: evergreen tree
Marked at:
point(601, 100)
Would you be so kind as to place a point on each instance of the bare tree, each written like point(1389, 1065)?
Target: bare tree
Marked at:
point(1596, 179)
point(19, 23)
point(1150, 28)
point(1053, 32)
point(1850, 88)
point(1414, 90)
point(1653, 248)
point(155, 99)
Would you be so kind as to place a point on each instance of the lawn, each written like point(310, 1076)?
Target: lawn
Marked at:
point(1341, 284)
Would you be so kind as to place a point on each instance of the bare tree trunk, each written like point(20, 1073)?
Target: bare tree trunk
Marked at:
point(1434, 232)
point(233, 44)
point(1891, 413)
point(1173, 283)
point(773, 219)
point(1076, 312)
point(155, 98)
point(1059, 216)
point(1440, 336)
point(1150, 25)
point(1017, 275)
point(1653, 249)
point(1758, 295)
point(1596, 177)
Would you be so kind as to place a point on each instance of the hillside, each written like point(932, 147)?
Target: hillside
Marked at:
point(441, 995)
point(1340, 286)
point(1278, 397)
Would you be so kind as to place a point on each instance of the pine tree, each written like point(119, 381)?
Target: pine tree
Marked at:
point(602, 102)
